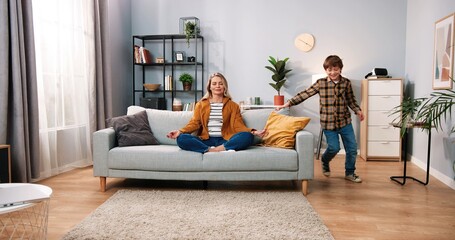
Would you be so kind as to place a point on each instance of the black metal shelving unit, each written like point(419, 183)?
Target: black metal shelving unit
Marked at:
point(170, 66)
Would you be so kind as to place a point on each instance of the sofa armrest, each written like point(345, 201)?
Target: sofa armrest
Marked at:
point(103, 141)
point(304, 145)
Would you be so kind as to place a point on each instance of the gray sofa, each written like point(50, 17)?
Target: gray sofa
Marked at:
point(168, 162)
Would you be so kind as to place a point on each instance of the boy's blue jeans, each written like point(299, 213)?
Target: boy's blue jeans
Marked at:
point(333, 142)
point(240, 141)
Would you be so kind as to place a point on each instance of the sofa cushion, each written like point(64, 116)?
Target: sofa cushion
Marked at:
point(255, 158)
point(155, 158)
point(163, 121)
point(132, 130)
point(281, 130)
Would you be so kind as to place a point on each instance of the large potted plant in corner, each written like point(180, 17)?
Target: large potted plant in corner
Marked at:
point(425, 113)
point(278, 68)
point(187, 81)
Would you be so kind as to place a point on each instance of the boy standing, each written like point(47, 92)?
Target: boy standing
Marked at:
point(336, 96)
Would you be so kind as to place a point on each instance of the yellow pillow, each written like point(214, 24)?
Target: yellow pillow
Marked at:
point(281, 130)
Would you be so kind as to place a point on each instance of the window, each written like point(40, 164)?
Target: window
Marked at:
point(65, 60)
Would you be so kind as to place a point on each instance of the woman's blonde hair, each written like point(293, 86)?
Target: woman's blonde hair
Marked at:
point(208, 94)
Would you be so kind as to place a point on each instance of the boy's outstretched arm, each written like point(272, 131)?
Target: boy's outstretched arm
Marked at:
point(277, 108)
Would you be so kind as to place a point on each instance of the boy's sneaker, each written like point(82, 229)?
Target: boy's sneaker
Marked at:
point(326, 170)
point(353, 178)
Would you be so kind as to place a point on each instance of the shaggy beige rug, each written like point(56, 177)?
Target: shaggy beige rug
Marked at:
point(141, 214)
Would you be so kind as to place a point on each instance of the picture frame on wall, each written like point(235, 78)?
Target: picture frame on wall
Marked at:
point(443, 52)
point(179, 56)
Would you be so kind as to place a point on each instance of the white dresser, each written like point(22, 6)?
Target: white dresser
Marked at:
point(378, 139)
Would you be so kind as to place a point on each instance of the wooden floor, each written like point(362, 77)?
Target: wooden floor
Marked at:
point(375, 209)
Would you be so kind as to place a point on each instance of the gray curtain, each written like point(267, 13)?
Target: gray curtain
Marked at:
point(103, 82)
point(19, 126)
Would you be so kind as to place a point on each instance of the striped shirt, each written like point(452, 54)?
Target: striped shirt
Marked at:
point(215, 119)
point(335, 98)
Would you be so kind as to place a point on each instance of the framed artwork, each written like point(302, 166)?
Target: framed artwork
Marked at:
point(179, 56)
point(443, 53)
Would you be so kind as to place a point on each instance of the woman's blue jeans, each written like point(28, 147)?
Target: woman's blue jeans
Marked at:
point(240, 141)
point(333, 142)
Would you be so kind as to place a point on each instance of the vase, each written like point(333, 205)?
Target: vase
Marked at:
point(278, 100)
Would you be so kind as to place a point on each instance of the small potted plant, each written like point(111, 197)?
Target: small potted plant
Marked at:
point(191, 30)
point(187, 81)
point(279, 71)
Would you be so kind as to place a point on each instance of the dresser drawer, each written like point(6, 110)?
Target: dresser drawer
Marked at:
point(384, 87)
point(383, 133)
point(383, 149)
point(383, 102)
point(380, 118)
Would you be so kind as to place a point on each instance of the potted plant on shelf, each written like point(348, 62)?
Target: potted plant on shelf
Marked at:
point(279, 71)
point(187, 81)
point(191, 30)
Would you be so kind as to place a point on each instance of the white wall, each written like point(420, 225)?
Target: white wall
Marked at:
point(240, 35)
point(421, 19)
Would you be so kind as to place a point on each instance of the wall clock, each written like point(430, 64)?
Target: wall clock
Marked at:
point(304, 42)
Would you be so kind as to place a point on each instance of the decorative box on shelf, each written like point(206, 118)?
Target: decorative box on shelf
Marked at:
point(159, 60)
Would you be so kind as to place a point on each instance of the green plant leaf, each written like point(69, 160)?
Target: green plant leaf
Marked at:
point(272, 60)
point(271, 69)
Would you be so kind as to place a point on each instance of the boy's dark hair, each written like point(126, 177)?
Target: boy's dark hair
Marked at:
point(333, 61)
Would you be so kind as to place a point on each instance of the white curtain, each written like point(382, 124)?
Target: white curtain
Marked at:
point(65, 62)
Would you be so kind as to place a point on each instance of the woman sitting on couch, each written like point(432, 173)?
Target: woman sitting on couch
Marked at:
point(218, 122)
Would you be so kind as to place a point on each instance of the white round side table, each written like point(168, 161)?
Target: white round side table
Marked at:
point(29, 219)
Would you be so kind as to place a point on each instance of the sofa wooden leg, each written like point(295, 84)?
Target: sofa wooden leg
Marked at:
point(305, 187)
point(103, 184)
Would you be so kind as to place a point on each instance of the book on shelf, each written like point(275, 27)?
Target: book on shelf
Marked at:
point(378, 76)
point(146, 57)
point(137, 56)
point(168, 82)
point(188, 107)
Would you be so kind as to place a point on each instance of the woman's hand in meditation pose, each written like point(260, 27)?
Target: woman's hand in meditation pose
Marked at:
point(173, 134)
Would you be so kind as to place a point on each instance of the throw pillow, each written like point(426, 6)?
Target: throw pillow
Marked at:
point(133, 130)
point(282, 129)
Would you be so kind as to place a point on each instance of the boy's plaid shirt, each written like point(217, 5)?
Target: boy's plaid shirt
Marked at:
point(333, 103)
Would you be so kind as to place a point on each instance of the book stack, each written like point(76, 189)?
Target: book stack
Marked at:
point(168, 83)
point(142, 55)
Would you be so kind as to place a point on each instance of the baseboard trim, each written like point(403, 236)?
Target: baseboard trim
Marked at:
point(433, 172)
